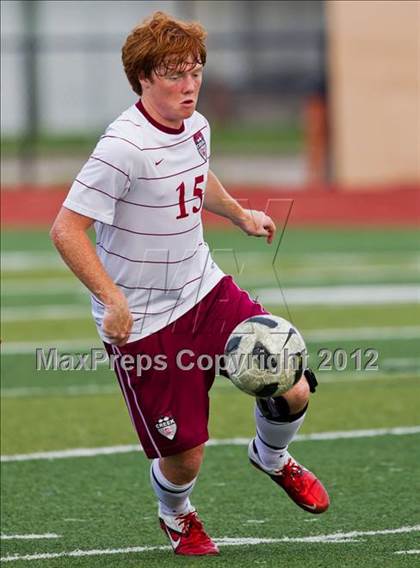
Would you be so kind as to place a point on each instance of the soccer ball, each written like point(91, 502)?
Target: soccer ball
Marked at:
point(265, 356)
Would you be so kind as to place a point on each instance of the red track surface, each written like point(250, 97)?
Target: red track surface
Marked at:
point(34, 207)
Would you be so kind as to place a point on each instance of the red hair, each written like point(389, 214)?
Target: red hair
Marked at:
point(162, 44)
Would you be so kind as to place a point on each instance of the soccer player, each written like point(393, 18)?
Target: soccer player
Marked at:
point(157, 296)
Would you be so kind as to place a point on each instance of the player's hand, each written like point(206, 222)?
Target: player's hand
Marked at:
point(257, 224)
point(118, 321)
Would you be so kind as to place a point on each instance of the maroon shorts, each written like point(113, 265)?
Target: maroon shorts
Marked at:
point(168, 402)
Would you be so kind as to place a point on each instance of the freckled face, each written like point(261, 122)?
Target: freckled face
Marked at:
point(171, 97)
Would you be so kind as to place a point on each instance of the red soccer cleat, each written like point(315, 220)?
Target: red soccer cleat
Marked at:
point(301, 485)
point(187, 534)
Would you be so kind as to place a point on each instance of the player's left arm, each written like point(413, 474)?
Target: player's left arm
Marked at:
point(252, 222)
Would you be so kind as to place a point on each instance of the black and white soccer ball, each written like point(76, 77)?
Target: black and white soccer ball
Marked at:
point(265, 356)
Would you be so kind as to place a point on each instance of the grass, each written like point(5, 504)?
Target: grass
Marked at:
point(243, 139)
point(379, 402)
point(105, 502)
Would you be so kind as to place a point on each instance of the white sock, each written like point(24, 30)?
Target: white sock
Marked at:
point(273, 439)
point(173, 499)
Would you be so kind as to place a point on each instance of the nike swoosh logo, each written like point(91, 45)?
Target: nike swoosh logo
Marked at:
point(174, 543)
point(310, 507)
point(157, 163)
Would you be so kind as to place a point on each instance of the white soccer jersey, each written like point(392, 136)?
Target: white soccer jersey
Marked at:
point(144, 186)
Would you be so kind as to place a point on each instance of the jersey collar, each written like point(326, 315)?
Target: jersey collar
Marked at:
point(157, 124)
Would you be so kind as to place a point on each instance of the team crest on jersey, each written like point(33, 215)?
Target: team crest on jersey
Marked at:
point(166, 426)
point(200, 142)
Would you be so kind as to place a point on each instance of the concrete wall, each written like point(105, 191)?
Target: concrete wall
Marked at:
point(374, 70)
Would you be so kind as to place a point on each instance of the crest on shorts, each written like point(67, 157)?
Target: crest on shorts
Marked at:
point(166, 426)
point(200, 142)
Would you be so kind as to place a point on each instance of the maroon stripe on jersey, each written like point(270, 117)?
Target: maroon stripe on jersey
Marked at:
point(159, 289)
point(171, 309)
point(157, 234)
point(96, 189)
point(176, 143)
point(124, 139)
point(108, 164)
point(153, 147)
point(157, 206)
point(132, 202)
point(130, 121)
point(173, 175)
point(156, 124)
point(148, 261)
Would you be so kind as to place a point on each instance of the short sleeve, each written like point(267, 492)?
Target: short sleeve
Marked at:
point(103, 180)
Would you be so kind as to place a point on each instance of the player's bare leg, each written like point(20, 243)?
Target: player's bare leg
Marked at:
point(278, 421)
point(184, 467)
point(298, 396)
point(173, 479)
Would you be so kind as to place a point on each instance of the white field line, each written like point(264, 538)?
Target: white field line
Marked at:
point(313, 265)
point(339, 537)
point(18, 261)
point(364, 333)
point(68, 345)
point(111, 450)
point(331, 378)
point(324, 275)
point(336, 258)
point(73, 453)
point(24, 260)
point(414, 551)
point(324, 538)
point(342, 295)
point(52, 287)
point(369, 273)
point(42, 287)
point(28, 536)
point(41, 313)
point(399, 362)
point(385, 333)
point(71, 390)
point(326, 295)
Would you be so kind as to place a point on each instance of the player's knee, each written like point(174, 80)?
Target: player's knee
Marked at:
point(298, 396)
point(184, 467)
point(189, 463)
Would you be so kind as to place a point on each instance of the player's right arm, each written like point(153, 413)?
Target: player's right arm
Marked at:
point(69, 235)
point(218, 201)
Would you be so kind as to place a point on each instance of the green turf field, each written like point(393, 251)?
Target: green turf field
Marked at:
point(99, 510)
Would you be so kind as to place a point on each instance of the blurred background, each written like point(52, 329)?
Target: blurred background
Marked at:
point(298, 93)
point(63, 81)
